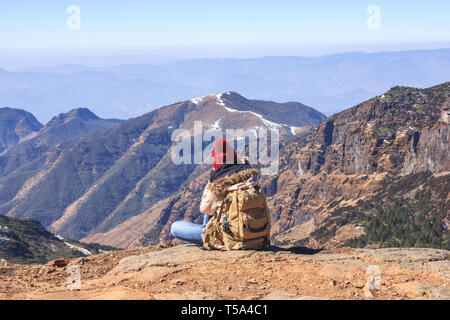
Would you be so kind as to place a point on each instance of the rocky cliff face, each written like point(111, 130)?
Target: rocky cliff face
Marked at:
point(385, 134)
point(353, 157)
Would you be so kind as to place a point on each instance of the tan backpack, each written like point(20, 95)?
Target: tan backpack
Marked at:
point(242, 223)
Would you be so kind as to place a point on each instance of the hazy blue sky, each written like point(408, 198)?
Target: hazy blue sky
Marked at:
point(228, 24)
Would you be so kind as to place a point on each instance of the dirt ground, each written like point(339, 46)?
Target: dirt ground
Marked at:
point(187, 272)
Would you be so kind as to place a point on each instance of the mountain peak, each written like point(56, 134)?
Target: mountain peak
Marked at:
point(80, 114)
point(83, 113)
point(293, 114)
point(406, 89)
point(15, 124)
point(287, 114)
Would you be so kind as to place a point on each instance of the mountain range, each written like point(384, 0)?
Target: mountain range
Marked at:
point(376, 174)
point(329, 83)
point(81, 175)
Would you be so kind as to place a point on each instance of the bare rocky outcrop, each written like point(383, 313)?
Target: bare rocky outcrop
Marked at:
point(334, 176)
point(173, 257)
point(189, 273)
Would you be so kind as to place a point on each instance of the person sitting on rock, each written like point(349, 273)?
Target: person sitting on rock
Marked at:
point(227, 179)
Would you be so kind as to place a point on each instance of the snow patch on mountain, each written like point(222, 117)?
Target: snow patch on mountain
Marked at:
point(220, 101)
point(82, 250)
point(293, 130)
point(268, 123)
point(216, 125)
point(197, 100)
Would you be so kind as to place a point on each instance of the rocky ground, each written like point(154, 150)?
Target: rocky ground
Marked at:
point(187, 272)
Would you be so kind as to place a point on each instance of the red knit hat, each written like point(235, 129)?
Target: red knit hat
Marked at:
point(222, 151)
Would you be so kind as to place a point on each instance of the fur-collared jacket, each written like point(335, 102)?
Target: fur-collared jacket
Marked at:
point(223, 180)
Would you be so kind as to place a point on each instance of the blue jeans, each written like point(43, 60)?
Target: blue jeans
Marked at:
point(189, 231)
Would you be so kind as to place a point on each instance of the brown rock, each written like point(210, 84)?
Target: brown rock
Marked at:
point(59, 263)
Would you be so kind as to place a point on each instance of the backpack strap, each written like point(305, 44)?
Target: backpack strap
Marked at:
point(212, 229)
